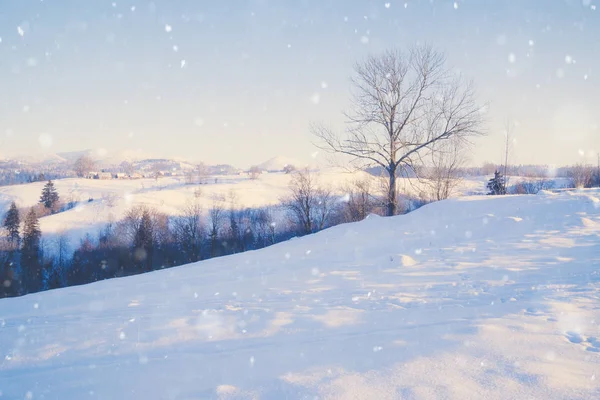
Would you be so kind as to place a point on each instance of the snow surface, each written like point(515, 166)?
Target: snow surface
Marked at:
point(112, 198)
point(279, 163)
point(470, 298)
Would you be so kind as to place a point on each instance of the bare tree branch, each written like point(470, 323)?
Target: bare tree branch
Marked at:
point(403, 103)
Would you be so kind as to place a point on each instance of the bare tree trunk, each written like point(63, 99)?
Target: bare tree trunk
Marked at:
point(391, 198)
point(506, 150)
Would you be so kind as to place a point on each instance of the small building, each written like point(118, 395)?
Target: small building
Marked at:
point(135, 175)
point(104, 175)
point(120, 175)
point(92, 175)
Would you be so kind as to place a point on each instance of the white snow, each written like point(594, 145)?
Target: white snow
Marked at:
point(112, 198)
point(279, 163)
point(509, 311)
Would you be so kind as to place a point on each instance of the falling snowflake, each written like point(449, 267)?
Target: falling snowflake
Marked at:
point(175, 48)
point(20, 31)
point(455, 5)
point(168, 28)
point(182, 63)
point(315, 98)
point(364, 39)
point(531, 43)
point(324, 85)
point(512, 58)
point(387, 5)
point(568, 59)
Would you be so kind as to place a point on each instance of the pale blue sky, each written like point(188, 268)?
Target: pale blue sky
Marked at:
point(103, 74)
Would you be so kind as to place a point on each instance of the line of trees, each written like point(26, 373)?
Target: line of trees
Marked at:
point(146, 240)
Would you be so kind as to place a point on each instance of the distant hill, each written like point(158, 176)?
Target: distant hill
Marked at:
point(278, 163)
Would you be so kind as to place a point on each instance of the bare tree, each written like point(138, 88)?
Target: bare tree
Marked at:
point(110, 198)
point(63, 250)
point(266, 225)
point(201, 172)
point(216, 215)
point(83, 165)
point(127, 167)
point(403, 103)
point(254, 172)
point(359, 200)
point(581, 176)
point(288, 168)
point(189, 231)
point(443, 174)
point(132, 223)
point(196, 175)
point(309, 206)
point(507, 147)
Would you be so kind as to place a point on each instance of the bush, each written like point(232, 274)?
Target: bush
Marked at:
point(531, 186)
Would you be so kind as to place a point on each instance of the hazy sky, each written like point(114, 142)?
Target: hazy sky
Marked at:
point(240, 81)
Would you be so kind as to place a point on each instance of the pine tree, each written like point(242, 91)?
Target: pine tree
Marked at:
point(497, 185)
point(30, 261)
point(11, 224)
point(49, 197)
point(143, 242)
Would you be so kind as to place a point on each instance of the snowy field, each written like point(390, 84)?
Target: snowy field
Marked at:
point(470, 298)
point(112, 198)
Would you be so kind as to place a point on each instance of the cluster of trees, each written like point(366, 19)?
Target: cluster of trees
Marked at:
point(22, 267)
point(146, 239)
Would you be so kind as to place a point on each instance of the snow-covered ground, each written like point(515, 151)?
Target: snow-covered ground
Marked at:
point(112, 198)
point(470, 298)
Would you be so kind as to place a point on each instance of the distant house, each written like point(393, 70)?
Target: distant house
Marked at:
point(121, 175)
point(104, 175)
point(135, 175)
point(92, 175)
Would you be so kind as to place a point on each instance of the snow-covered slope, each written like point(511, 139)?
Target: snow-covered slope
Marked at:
point(472, 298)
point(112, 198)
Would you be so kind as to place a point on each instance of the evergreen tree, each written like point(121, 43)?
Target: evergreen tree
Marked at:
point(49, 197)
point(30, 259)
point(143, 242)
point(11, 224)
point(497, 185)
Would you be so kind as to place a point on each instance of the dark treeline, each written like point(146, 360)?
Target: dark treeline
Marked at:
point(14, 173)
point(147, 240)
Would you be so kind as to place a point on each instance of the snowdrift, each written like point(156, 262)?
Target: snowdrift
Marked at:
point(469, 298)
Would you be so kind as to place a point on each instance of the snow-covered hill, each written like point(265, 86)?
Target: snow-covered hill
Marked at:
point(472, 298)
point(112, 198)
point(279, 163)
